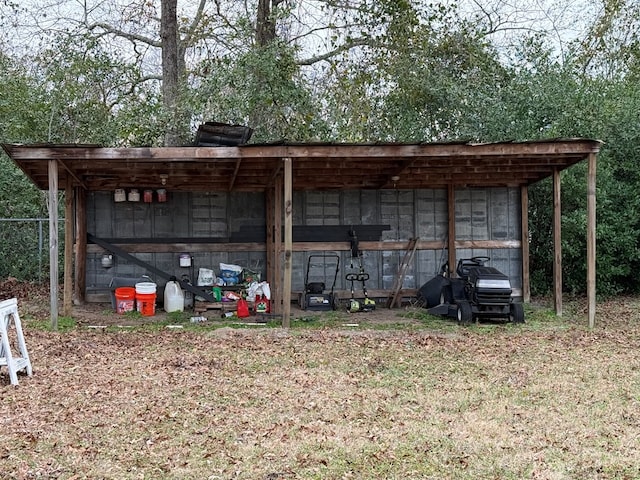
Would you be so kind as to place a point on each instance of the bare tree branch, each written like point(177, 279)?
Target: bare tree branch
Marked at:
point(357, 42)
point(126, 35)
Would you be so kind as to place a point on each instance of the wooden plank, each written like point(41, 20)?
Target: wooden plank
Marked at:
point(542, 148)
point(557, 244)
point(53, 241)
point(591, 241)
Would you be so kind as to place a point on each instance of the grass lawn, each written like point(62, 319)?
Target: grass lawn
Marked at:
point(411, 397)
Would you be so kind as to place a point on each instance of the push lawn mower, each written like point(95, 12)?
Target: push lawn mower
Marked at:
point(477, 292)
point(315, 296)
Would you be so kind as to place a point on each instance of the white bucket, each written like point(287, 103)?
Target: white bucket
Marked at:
point(146, 288)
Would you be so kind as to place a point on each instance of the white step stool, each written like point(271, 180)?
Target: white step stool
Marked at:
point(9, 311)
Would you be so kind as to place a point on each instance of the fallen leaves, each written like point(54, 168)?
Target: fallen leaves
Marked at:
point(327, 403)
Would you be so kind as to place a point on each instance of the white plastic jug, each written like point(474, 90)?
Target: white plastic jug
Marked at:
point(173, 297)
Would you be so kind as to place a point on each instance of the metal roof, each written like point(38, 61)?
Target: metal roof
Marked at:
point(315, 166)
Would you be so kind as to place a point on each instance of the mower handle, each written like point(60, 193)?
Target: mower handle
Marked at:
point(357, 277)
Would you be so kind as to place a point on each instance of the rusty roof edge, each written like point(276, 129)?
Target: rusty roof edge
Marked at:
point(12, 145)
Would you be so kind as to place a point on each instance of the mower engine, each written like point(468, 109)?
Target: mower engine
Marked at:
point(488, 287)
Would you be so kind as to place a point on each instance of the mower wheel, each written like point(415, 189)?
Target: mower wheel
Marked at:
point(465, 314)
point(516, 313)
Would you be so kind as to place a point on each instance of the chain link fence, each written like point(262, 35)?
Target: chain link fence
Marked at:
point(24, 248)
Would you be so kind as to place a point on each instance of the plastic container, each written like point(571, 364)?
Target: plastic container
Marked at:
point(173, 297)
point(125, 299)
point(262, 304)
point(146, 298)
point(217, 293)
point(185, 260)
point(119, 195)
point(242, 308)
point(134, 195)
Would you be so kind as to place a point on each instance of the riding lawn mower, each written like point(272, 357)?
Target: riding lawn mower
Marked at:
point(477, 292)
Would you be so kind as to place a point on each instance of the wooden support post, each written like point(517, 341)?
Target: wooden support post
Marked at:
point(591, 240)
point(271, 274)
point(81, 246)
point(451, 241)
point(557, 244)
point(68, 247)
point(524, 235)
point(53, 241)
point(288, 242)
point(276, 247)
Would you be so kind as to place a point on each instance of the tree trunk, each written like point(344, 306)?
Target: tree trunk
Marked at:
point(264, 36)
point(265, 25)
point(171, 72)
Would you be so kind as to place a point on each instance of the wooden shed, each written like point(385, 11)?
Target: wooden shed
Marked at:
point(270, 206)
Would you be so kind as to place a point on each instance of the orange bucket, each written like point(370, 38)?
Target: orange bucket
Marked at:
point(146, 304)
point(125, 299)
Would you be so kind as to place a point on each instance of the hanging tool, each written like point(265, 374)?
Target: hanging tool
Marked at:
point(367, 304)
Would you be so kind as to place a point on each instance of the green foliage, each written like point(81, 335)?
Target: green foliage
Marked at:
point(262, 88)
point(413, 81)
point(95, 97)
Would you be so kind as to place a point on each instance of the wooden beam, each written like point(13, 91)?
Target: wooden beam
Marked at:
point(557, 244)
point(232, 181)
point(67, 302)
point(288, 237)
point(53, 241)
point(541, 148)
point(270, 246)
point(451, 235)
point(73, 175)
point(80, 246)
point(277, 243)
point(372, 246)
point(591, 240)
point(524, 235)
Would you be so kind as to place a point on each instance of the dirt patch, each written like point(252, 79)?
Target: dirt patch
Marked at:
point(103, 314)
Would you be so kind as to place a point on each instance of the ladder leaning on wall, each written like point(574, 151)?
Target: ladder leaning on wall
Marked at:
point(395, 297)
